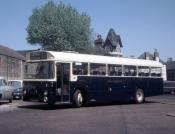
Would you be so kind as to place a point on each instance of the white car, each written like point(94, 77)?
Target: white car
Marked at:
point(5, 90)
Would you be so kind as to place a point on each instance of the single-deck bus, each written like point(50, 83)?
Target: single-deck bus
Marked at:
point(80, 79)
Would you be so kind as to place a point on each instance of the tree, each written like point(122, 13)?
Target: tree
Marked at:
point(59, 27)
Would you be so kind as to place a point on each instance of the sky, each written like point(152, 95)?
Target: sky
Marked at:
point(144, 25)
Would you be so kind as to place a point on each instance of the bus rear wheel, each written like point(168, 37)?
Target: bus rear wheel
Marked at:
point(25, 98)
point(78, 98)
point(139, 96)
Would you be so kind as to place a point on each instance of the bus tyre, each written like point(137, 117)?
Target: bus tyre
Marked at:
point(51, 103)
point(172, 92)
point(51, 99)
point(25, 98)
point(139, 96)
point(78, 98)
point(10, 100)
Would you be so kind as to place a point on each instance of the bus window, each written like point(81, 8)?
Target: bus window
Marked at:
point(130, 71)
point(97, 69)
point(39, 70)
point(80, 68)
point(143, 71)
point(114, 70)
point(156, 72)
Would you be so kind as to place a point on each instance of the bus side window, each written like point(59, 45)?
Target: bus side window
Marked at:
point(114, 70)
point(80, 68)
point(130, 71)
point(97, 69)
point(156, 71)
point(143, 71)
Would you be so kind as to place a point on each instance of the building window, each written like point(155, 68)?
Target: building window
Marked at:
point(80, 68)
point(97, 69)
point(114, 70)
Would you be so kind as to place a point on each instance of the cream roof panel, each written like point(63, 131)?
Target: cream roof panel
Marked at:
point(69, 57)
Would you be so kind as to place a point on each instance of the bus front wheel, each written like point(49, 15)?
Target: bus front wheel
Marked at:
point(51, 99)
point(10, 100)
point(139, 96)
point(78, 98)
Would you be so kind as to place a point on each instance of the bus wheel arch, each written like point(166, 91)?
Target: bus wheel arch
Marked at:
point(139, 95)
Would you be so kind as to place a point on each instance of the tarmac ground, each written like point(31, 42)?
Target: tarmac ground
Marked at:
point(155, 116)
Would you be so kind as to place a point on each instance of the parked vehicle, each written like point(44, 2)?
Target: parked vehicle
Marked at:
point(169, 87)
point(5, 90)
point(16, 88)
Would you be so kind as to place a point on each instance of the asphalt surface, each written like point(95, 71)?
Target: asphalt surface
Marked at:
point(156, 116)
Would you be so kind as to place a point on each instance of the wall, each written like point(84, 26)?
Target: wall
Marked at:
point(11, 68)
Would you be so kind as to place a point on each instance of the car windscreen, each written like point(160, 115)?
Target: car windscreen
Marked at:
point(15, 83)
point(3, 82)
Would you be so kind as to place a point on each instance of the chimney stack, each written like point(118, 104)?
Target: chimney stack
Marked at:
point(99, 41)
point(147, 56)
point(156, 55)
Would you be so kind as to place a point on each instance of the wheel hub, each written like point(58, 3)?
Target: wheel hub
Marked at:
point(139, 96)
point(80, 98)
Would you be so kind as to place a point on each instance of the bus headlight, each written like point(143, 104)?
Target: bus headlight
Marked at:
point(24, 92)
point(45, 98)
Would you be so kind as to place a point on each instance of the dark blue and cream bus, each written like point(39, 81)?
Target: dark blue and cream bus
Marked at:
point(80, 79)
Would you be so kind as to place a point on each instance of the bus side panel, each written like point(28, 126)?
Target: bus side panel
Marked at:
point(115, 87)
point(124, 88)
point(107, 89)
point(129, 87)
point(131, 84)
point(82, 84)
point(155, 86)
point(143, 83)
point(98, 91)
point(95, 88)
point(151, 87)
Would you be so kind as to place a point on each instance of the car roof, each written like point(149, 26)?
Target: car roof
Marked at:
point(2, 78)
point(14, 80)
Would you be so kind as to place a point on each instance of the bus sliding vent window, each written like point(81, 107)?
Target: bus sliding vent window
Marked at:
point(97, 69)
point(80, 68)
point(130, 70)
point(156, 72)
point(143, 71)
point(114, 70)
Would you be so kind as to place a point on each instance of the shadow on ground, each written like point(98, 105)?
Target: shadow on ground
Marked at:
point(45, 107)
point(69, 106)
point(2, 103)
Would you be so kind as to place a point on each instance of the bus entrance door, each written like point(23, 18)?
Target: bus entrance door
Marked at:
point(63, 76)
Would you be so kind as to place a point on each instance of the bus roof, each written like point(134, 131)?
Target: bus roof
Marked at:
point(77, 57)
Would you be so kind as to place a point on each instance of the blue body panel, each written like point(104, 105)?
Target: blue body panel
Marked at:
point(100, 89)
point(107, 89)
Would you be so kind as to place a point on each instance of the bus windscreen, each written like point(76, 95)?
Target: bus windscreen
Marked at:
point(39, 70)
